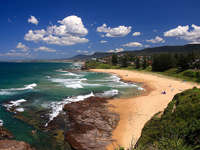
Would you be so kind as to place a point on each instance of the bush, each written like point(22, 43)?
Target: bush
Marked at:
point(180, 118)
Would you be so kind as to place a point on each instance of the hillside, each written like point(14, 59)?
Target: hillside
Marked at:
point(147, 51)
point(178, 126)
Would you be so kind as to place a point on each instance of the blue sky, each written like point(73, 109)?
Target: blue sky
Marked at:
point(53, 29)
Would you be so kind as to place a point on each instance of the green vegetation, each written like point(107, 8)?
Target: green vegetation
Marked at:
point(179, 125)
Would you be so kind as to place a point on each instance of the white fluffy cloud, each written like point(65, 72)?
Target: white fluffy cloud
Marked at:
point(111, 51)
point(69, 32)
point(43, 48)
point(147, 46)
point(183, 33)
point(70, 26)
point(23, 47)
point(156, 40)
point(120, 31)
point(136, 34)
point(103, 41)
point(33, 20)
point(79, 51)
point(133, 44)
point(119, 50)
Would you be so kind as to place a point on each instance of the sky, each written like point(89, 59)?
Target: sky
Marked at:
point(58, 29)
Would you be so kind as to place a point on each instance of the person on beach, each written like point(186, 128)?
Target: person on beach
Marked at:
point(164, 92)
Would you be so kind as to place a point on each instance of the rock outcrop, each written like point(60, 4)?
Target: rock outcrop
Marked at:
point(5, 133)
point(92, 123)
point(15, 145)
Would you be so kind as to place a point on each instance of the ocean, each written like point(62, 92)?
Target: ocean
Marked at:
point(42, 89)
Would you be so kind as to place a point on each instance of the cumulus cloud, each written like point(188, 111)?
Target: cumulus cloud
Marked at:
point(79, 51)
point(119, 50)
point(136, 34)
point(33, 20)
point(43, 48)
point(120, 31)
point(147, 46)
point(111, 51)
point(133, 44)
point(23, 47)
point(156, 40)
point(183, 33)
point(69, 32)
point(103, 41)
point(155, 30)
point(70, 26)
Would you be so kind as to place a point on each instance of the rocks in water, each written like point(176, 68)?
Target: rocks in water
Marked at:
point(92, 123)
point(5, 133)
point(15, 145)
point(84, 68)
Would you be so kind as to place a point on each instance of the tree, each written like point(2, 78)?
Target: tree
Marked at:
point(144, 64)
point(114, 59)
point(183, 62)
point(137, 64)
point(176, 59)
point(124, 61)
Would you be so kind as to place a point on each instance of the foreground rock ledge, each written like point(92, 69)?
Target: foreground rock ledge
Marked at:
point(15, 145)
point(92, 123)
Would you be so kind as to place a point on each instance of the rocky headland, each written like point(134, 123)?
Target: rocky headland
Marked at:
point(91, 125)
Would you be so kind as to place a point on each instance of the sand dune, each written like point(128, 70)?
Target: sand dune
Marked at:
point(135, 112)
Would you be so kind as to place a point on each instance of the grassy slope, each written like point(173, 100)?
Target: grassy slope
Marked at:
point(179, 124)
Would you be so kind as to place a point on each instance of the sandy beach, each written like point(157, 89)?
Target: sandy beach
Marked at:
point(135, 112)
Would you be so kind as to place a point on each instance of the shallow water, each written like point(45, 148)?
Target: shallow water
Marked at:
point(45, 87)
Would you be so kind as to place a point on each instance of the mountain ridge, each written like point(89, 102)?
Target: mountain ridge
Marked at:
point(146, 51)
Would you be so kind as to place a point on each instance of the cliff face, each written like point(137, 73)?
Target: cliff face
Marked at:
point(92, 123)
point(15, 145)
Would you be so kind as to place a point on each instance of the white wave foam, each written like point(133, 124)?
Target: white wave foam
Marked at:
point(70, 83)
point(19, 109)
point(48, 76)
point(1, 122)
point(90, 84)
point(109, 93)
point(57, 107)
point(10, 91)
point(74, 86)
point(60, 70)
point(29, 86)
point(15, 104)
point(3, 92)
point(70, 74)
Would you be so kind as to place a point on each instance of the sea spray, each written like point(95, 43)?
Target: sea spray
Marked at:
point(16, 103)
point(57, 107)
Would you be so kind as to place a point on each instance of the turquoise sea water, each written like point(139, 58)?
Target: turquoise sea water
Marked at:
point(46, 87)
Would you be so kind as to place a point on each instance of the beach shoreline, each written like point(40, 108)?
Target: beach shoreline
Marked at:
point(136, 111)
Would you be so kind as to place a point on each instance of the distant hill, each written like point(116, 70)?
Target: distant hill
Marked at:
point(147, 51)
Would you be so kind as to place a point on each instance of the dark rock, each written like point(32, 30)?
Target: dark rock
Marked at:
point(5, 133)
point(15, 145)
point(92, 123)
